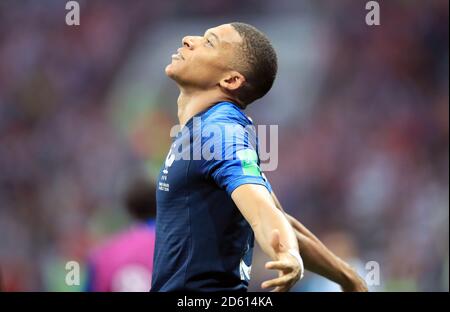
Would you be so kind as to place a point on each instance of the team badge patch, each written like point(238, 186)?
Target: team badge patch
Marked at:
point(249, 162)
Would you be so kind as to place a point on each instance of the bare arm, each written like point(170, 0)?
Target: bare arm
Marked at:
point(273, 233)
point(320, 260)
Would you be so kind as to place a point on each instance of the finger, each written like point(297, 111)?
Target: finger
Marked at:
point(280, 289)
point(286, 287)
point(278, 265)
point(280, 281)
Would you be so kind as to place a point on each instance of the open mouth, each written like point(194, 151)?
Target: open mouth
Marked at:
point(178, 55)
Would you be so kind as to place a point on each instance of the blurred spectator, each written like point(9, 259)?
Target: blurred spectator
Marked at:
point(125, 262)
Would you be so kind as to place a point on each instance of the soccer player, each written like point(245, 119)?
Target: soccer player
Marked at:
point(212, 199)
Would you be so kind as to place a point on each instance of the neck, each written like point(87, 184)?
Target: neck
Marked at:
point(191, 103)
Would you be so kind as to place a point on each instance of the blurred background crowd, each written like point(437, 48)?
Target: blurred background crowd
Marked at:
point(362, 114)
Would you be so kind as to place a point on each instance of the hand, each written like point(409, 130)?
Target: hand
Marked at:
point(290, 268)
point(354, 283)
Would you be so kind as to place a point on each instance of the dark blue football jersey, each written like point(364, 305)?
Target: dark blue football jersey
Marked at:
point(203, 243)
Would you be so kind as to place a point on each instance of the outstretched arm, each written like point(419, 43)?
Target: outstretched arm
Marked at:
point(320, 260)
point(273, 233)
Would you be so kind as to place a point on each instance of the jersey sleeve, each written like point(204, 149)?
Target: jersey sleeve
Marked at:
point(268, 185)
point(239, 162)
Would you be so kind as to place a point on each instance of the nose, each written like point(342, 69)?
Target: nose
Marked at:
point(188, 42)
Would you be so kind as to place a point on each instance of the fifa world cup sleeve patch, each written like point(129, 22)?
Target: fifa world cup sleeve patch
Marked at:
point(249, 162)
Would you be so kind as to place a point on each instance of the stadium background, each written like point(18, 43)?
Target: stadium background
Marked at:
point(362, 114)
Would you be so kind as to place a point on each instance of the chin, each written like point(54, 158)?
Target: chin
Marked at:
point(172, 73)
point(168, 68)
point(169, 71)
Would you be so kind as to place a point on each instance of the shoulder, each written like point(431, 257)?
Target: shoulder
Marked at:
point(228, 119)
point(227, 113)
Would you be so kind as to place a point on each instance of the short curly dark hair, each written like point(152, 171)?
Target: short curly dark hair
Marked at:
point(257, 60)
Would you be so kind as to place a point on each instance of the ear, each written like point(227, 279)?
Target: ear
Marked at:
point(232, 81)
